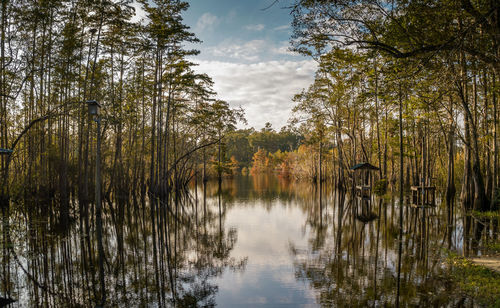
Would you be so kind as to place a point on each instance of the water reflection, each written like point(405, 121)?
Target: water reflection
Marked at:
point(247, 241)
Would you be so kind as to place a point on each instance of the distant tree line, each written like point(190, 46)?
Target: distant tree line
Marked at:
point(240, 145)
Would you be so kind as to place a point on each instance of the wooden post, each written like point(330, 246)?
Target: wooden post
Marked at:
point(99, 213)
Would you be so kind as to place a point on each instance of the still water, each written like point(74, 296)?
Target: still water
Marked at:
point(256, 241)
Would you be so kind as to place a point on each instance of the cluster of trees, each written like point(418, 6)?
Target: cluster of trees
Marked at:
point(159, 119)
point(300, 164)
point(239, 147)
point(411, 86)
point(157, 112)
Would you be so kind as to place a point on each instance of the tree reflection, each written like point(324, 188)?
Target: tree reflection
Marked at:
point(170, 251)
point(158, 251)
point(353, 263)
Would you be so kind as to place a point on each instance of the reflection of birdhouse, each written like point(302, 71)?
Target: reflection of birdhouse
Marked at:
point(363, 179)
point(423, 196)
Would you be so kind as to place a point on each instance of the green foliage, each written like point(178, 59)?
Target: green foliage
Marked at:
point(410, 58)
point(493, 247)
point(222, 168)
point(238, 145)
point(380, 187)
point(244, 143)
point(476, 281)
point(486, 215)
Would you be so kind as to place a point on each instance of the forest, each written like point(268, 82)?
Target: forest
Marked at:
point(416, 82)
point(410, 87)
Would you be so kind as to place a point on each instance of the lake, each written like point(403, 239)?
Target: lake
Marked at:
point(253, 241)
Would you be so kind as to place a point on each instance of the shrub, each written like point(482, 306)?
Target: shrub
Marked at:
point(380, 187)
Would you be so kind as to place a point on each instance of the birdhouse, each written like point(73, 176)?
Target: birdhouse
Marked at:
point(93, 107)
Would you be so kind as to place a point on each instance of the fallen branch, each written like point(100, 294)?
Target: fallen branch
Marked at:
point(169, 172)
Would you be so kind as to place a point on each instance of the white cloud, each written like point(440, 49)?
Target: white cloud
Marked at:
point(140, 14)
point(283, 49)
point(207, 22)
point(248, 51)
point(263, 89)
point(282, 28)
point(258, 27)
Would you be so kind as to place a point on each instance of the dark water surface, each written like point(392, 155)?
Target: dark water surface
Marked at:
point(256, 241)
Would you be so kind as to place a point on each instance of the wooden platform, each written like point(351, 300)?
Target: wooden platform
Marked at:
point(364, 192)
point(423, 197)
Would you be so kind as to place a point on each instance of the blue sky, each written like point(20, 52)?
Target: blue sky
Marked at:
point(240, 30)
point(245, 51)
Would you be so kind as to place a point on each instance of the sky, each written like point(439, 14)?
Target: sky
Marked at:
point(245, 49)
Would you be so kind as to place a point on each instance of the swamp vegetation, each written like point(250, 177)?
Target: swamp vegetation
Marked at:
point(409, 86)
